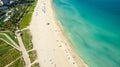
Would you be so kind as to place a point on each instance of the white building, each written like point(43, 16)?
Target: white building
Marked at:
point(1, 3)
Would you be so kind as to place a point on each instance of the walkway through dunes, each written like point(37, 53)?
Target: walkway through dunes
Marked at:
point(23, 49)
point(17, 44)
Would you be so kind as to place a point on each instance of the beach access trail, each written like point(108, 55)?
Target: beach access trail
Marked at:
point(22, 49)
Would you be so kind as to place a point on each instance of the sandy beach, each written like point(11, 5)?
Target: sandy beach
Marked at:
point(53, 48)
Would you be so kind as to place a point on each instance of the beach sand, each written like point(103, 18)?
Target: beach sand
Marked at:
point(53, 48)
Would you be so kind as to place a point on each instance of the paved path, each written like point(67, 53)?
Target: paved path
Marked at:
point(23, 50)
point(31, 50)
point(27, 28)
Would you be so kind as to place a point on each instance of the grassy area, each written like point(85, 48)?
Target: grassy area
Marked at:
point(7, 40)
point(12, 36)
point(32, 55)
point(7, 54)
point(35, 65)
point(4, 38)
point(25, 20)
point(18, 63)
point(4, 48)
point(27, 17)
point(26, 37)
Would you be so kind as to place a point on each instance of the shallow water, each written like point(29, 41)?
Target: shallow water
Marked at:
point(93, 26)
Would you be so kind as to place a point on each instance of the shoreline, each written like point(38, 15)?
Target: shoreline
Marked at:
point(72, 50)
point(77, 58)
point(61, 45)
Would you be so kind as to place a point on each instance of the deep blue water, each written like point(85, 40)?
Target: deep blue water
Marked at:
point(93, 26)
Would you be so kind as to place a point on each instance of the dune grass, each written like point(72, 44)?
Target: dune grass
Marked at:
point(26, 37)
point(12, 36)
point(32, 55)
point(4, 48)
point(25, 21)
point(35, 65)
point(7, 54)
point(18, 63)
point(27, 17)
point(4, 38)
point(10, 56)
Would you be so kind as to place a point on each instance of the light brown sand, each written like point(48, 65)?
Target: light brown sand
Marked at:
point(52, 47)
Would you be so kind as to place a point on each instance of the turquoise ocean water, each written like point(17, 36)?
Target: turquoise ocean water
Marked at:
point(93, 26)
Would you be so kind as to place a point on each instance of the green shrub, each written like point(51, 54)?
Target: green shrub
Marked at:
point(32, 55)
point(8, 54)
point(35, 65)
point(26, 37)
point(18, 63)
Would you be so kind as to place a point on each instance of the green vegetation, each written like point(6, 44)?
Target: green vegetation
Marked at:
point(32, 55)
point(26, 37)
point(10, 56)
point(18, 63)
point(4, 38)
point(21, 17)
point(3, 48)
point(35, 65)
point(12, 36)
point(27, 17)
point(18, 11)
point(7, 54)
point(7, 26)
point(25, 21)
